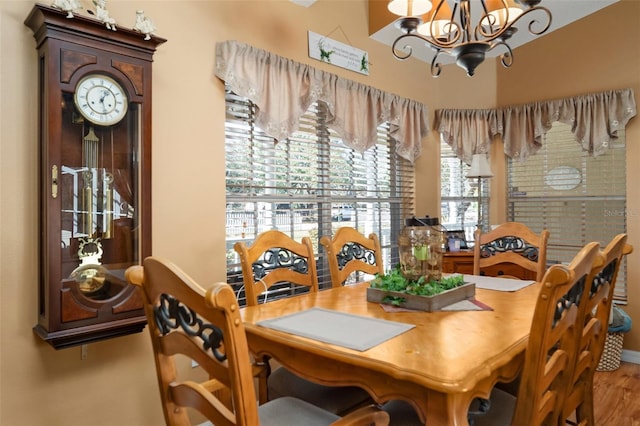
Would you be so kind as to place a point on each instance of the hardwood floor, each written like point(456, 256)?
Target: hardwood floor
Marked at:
point(617, 396)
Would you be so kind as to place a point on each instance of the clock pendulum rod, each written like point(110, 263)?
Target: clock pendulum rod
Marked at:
point(90, 159)
point(90, 149)
point(107, 208)
point(108, 205)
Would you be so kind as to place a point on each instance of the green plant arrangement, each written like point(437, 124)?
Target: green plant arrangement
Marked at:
point(394, 288)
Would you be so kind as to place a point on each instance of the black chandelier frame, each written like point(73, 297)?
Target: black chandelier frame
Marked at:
point(469, 45)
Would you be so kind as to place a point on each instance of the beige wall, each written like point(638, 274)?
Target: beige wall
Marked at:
point(116, 385)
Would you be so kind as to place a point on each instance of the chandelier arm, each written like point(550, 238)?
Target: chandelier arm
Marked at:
point(448, 42)
point(507, 57)
point(465, 19)
point(438, 44)
point(483, 35)
point(492, 19)
point(488, 28)
point(535, 21)
point(402, 56)
point(453, 29)
point(440, 6)
point(494, 30)
point(436, 68)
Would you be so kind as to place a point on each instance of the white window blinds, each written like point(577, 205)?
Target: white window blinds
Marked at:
point(579, 198)
point(309, 184)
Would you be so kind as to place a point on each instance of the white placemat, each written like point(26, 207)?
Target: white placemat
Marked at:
point(338, 328)
point(496, 283)
point(463, 305)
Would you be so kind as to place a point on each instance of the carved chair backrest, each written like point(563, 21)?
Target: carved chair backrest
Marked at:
point(276, 258)
point(349, 251)
point(554, 340)
point(594, 312)
point(205, 326)
point(511, 243)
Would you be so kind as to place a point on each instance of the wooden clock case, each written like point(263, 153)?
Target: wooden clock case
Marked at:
point(95, 181)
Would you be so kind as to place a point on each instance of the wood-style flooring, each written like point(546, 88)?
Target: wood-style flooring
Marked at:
point(617, 396)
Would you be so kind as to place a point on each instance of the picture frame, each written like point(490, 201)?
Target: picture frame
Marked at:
point(456, 240)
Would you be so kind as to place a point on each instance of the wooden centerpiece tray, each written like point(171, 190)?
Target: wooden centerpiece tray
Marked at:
point(380, 292)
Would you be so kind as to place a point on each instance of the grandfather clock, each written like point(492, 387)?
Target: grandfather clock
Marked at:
point(94, 89)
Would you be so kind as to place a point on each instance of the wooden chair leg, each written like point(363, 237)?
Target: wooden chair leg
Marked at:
point(585, 412)
point(261, 373)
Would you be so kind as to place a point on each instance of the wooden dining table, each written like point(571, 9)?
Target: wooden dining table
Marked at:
point(438, 366)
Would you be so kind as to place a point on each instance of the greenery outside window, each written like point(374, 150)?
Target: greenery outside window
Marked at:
point(309, 185)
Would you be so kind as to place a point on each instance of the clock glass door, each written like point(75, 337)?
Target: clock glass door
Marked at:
point(98, 189)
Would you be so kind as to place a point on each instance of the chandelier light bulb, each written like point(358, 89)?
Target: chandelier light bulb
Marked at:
point(435, 23)
point(501, 14)
point(409, 7)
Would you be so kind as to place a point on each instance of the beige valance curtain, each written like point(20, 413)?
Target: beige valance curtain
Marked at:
point(594, 118)
point(283, 90)
point(467, 131)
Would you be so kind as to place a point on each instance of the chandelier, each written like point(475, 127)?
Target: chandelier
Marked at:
point(436, 25)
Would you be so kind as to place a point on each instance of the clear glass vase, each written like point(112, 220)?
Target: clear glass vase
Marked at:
point(421, 245)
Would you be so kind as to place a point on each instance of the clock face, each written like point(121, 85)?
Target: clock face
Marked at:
point(100, 99)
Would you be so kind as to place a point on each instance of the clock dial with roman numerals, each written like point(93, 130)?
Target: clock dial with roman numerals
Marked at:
point(101, 100)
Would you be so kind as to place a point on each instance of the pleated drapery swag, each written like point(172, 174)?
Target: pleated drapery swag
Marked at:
point(283, 90)
point(594, 118)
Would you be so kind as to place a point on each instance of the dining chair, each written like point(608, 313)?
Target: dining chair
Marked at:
point(553, 340)
point(275, 258)
point(203, 324)
point(509, 251)
point(349, 251)
point(594, 312)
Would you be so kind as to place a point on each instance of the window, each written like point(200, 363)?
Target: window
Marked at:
point(310, 184)
point(459, 195)
point(577, 197)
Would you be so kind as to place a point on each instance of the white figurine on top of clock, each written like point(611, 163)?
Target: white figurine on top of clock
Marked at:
point(144, 25)
point(103, 14)
point(68, 6)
